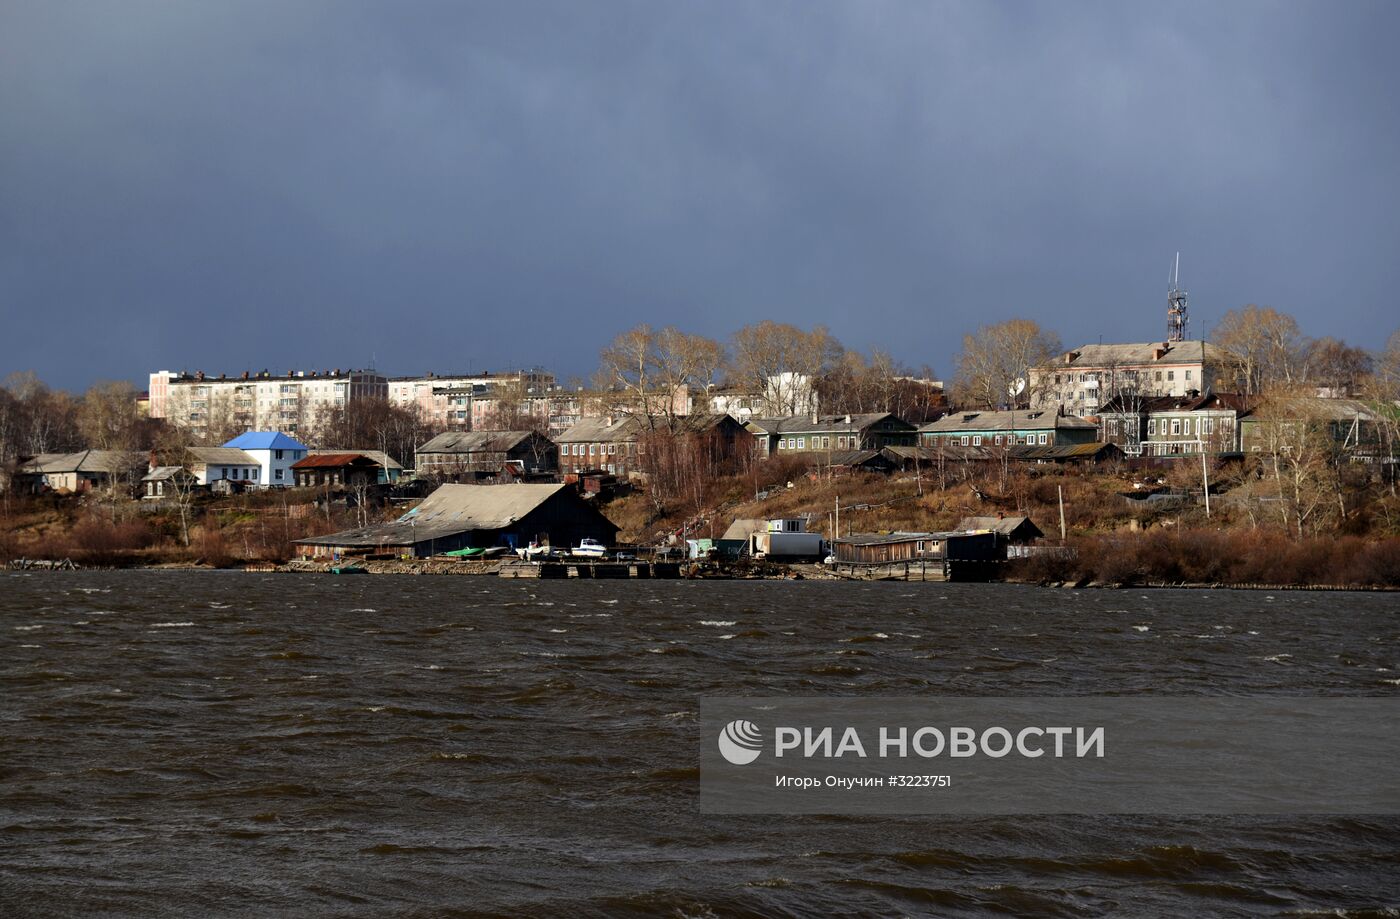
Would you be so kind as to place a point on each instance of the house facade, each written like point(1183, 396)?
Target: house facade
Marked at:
point(78, 472)
point(461, 456)
point(1298, 424)
point(1175, 425)
point(618, 444)
point(1029, 427)
point(336, 470)
point(275, 454)
point(827, 434)
point(1086, 378)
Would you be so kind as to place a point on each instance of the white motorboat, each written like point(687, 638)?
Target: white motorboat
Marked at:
point(589, 548)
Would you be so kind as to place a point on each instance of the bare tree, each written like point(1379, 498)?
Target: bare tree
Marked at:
point(107, 416)
point(648, 373)
point(1266, 343)
point(513, 409)
point(1332, 365)
point(783, 362)
point(995, 362)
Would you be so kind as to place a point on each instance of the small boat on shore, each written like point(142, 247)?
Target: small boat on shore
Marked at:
point(589, 548)
point(535, 552)
point(350, 569)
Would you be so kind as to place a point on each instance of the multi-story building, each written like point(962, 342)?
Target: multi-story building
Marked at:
point(258, 402)
point(1087, 377)
point(462, 402)
point(1174, 425)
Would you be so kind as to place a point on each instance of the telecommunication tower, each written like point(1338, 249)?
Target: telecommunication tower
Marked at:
point(1176, 305)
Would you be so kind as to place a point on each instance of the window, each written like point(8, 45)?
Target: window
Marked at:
point(1151, 426)
point(278, 453)
point(1186, 426)
point(997, 440)
point(1176, 426)
point(826, 442)
point(802, 443)
point(1044, 438)
point(1188, 375)
point(1207, 426)
point(223, 472)
point(1057, 379)
point(1159, 376)
point(1171, 375)
point(612, 448)
point(1112, 427)
point(964, 440)
point(977, 440)
point(278, 474)
point(245, 473)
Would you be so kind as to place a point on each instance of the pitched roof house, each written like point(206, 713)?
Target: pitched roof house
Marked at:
point(275, 453)
point(1045, 427)
point(616, 444)
point(1175, 425)
point(80, 471)
point(827, 433)
point(472, 455)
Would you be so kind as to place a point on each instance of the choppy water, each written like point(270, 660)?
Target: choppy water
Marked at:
point(204, 743)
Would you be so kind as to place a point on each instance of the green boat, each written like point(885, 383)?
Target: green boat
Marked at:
point(468, 552)
point(349, 569)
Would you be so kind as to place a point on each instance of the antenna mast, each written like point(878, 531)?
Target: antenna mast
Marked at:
point(1176, 305)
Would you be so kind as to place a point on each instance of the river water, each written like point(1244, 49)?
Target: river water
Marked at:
point(206, 743)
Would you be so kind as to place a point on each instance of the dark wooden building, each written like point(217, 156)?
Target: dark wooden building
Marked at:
point(470, 456)
point(462, 516)
point(336, 470)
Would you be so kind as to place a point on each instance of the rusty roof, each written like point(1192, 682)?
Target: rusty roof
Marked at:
point(332, 460)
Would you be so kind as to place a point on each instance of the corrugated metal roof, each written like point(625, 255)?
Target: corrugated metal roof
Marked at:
point(630, 427)
point(475, 442)
point(108, 461)
point(1137, 353)
point(265, 440)
point(744, 527)
point(802, 424)
point(855, 457)
point(1003, 525)
point(1064, 451)
point(331, 460)
point(223, 456)
point(1022, 420)
point(379, 456)
point(449, 510)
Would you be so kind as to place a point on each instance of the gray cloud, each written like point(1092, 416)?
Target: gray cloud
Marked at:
point(450, 186)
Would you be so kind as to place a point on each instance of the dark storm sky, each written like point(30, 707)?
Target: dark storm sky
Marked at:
point(451, 186)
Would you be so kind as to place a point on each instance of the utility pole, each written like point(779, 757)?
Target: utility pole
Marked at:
point(837, 533)
point(1060, 490)
point(1205, 475)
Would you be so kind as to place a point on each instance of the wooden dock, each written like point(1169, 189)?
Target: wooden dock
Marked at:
point(588, 568)
point(914, 569)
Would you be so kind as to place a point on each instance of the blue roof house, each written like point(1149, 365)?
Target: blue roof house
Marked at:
point(275, 453)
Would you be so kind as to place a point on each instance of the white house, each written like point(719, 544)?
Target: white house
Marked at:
point(274, 453)
point(209, 464)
